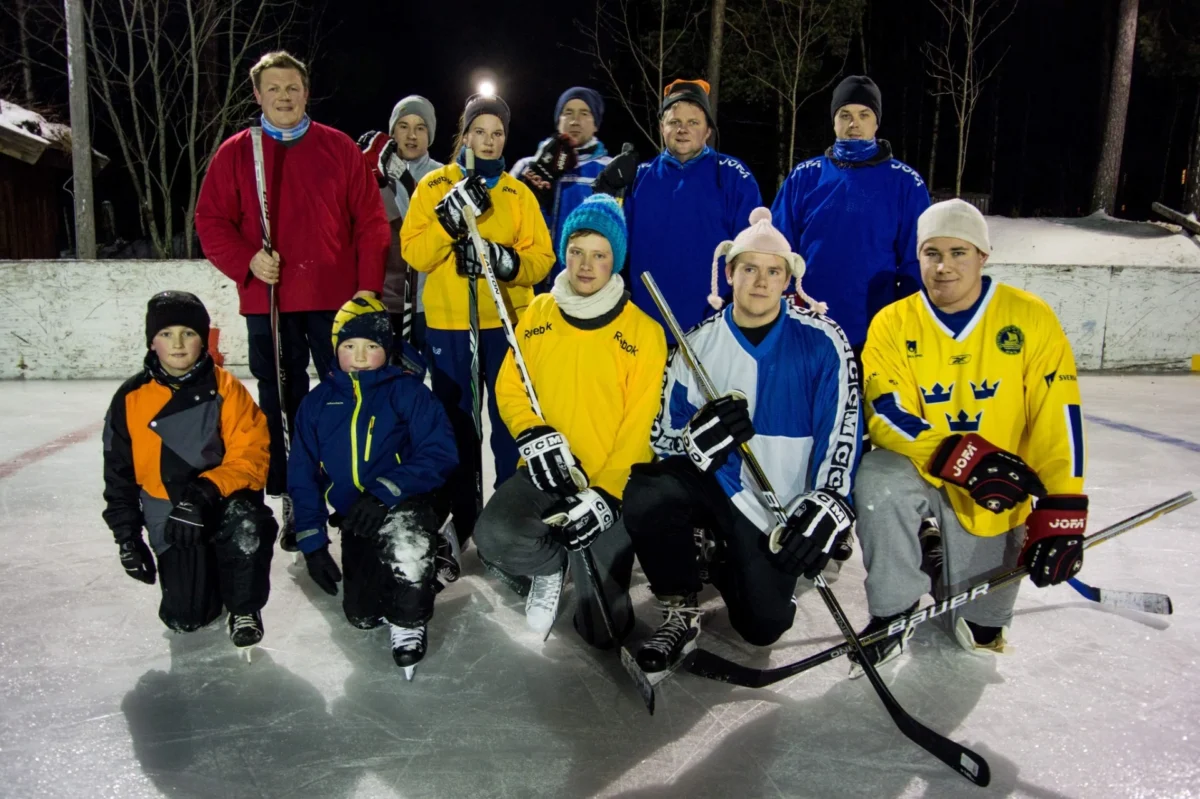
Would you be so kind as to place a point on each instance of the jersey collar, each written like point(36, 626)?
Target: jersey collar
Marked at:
point(767, 344)
point(970, 326)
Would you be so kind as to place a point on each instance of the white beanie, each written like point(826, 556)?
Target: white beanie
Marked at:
point(955, 219)
point(762, 237)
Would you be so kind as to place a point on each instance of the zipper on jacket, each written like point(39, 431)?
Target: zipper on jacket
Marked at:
point(370, 429)
point(354, 432)
point(330, 488)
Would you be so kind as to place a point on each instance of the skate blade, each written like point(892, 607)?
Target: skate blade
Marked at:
point(558, 602)
point(409, 671)
point(246, 652)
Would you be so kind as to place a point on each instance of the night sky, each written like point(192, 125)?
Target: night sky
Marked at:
point(1044, 109)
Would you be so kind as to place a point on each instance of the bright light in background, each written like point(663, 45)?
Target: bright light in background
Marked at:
point(487, 88)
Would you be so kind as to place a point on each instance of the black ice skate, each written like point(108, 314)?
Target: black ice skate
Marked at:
point(245, 631)
point(933, 554)
point(883, 651)
point(287, 530)
point(675, 637)
point(408, 647)
point(446, 558)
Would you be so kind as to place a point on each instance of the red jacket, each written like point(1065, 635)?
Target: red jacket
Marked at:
point(327, 220)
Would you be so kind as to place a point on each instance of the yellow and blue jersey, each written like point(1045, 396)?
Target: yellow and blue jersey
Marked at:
point(1007, 374)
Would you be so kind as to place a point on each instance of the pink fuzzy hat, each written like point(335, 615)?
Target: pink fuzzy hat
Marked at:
point(761, 237)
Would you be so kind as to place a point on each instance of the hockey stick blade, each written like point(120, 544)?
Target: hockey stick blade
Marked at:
point(641, 680)
point(1185, 222)
point(1128, 600)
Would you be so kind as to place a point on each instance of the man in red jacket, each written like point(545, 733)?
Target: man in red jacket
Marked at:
point(329, 238)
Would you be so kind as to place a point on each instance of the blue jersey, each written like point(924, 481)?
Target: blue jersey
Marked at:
point(380, 431)
point(801, 383)
point(677, 215)
point(856, 227)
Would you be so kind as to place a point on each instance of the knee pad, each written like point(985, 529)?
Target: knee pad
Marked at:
point(248, 524)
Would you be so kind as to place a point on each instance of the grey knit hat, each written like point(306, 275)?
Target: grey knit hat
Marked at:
point(414, 104)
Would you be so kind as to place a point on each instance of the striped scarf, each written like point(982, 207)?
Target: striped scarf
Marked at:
point(286, 134)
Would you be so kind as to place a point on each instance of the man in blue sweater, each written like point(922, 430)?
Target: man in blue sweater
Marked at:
point(564, 167)
point(852, 214)
point(681, 205)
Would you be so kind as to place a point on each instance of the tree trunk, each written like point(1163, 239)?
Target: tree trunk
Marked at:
point(1191, 193)
point(782, 156)
point(1105, 193)
point(716, 36)
point(26, 61)
point(81, 133)
point(937, 122)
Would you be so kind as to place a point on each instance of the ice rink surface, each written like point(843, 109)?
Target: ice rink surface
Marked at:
point(100, 700)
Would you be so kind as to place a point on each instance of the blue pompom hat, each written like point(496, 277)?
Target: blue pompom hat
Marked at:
point(603, 214)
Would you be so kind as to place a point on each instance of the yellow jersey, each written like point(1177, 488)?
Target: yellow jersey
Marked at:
point(514, 220)
point(600, 388)
point(1008, 375)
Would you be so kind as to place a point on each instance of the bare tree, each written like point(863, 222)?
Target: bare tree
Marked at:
point(1104, 194)
point(637, 45)
point(783, 45)
point(716, 37)
point(957, 66)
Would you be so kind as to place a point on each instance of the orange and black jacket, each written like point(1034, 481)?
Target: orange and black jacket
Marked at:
point(161, 433)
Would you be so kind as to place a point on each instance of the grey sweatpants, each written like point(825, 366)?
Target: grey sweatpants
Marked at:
point(511, 535)
point(892, 498)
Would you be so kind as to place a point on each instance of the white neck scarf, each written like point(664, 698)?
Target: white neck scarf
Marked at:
point(574, 304)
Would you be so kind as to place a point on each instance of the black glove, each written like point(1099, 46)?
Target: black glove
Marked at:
point(549, 460)
point(811, 534)
point(996, 479)
point(470, 191)
point(1054, 538)
point(367, 139)
point(323, 570)
point(136, 557)
point(716, 430)
point(504, 261)
point(576, 521)
point(619, 174)
point(186, 524)
point(553, 159)
point(365, 516)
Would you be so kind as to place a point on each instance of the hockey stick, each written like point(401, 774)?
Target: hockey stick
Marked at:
point(1185, 222)
point(958, 757)
point(476, 383)
point(645, 689)
point(1129, 600)
point(280, 381)
point(715, 667)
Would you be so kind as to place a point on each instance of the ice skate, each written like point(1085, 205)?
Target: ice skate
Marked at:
point(408, 647)
point(674, 638)
point(933, 554)
point(541, 606)
point(287, 530)
point(884, 651)
point(980, 640)
point(245, 631)
point(447, 557)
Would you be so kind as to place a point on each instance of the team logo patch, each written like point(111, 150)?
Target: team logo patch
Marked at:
point(913, 350)
point(1010, 340)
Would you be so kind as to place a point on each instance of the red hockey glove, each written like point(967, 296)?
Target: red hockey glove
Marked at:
point(996, 479)
point(1054, 538)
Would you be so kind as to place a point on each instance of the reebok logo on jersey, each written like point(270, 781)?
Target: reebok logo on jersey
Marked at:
point(539, 330)
point(625, 345)
point(1067, 524)
point(440, 179)
point(509, 190)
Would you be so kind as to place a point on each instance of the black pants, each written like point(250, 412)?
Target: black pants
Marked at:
point(664, 503)
point(301, 334)
point(233, 569)
point(392, 576)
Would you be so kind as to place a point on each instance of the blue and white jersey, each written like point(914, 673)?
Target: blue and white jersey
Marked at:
point(802, 386)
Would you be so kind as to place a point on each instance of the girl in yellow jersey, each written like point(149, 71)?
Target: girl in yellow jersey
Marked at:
point(596, 362)
point(433, 239)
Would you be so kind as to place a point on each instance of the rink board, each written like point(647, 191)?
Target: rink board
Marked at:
point(83, 319)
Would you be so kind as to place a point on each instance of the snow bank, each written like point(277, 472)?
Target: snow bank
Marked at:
point(31, 125)
point(1096, 240)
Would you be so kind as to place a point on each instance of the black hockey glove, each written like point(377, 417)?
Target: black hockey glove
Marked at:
point(323, 570)
point(367, 139)
point(553, 159)
point(470, 191)
point(136, 558)
point(552, 467)
point(186, 524)
point(578, 520)
point(365, 516)
point(811, 534)
point(995, 478)
point(504, 261)
point(716, 430)
point(1053, 548)
point(619, 174)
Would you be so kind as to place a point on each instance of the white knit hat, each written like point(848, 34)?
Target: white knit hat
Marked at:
point(955, 219)
point(761, 237)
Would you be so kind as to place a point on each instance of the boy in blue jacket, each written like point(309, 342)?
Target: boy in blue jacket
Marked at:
point(372, 441)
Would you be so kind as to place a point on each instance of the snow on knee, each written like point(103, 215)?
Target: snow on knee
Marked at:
point(408, 546)
point(242, 525)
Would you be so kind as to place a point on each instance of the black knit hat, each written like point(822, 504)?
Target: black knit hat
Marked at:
point(859, 90)
point(169, 308)
point(478, 105)
point(691, 91)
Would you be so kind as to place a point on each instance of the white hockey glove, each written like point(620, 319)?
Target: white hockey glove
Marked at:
point(578, 520)
point(552, 467)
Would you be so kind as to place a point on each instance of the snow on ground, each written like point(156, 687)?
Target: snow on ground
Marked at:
point(97, 699)
point(1095, 240)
